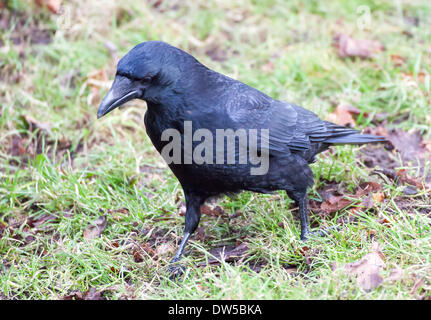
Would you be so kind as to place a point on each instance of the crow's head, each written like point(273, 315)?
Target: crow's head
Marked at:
point(148, 71)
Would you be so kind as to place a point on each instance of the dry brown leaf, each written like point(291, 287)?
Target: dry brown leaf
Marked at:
point(182, 209)
point(164, 249)
point(118, 214)
point(91, 294)
point(367, 188)
point(17, 146)
point(343, 115)
point(410, 146)
point(95, 230)
point(200, 234)
point(378, 197)
point(35, 222)
point(368, 268)
point(140, 250)
point(216, 212)
point(216, 53)
point(396, 274)
point(404, 177)
point(417, 286)
point(362, 48)
point(267, 67)
point(398, 60)
point(334, 204)
point(226, 253)
point(410, 77)
point(34, 124)
point(52, 5)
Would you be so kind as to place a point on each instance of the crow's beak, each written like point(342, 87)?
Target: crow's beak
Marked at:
point(122, 90)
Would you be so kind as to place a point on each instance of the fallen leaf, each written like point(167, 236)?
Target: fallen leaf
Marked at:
point(398, 60)
point(95, 230)
point(141, 250)
point(267, 67)
point(182, 209)
point(75, 295)
point(354, 211)
point(91, 294)
point(35, 222)
point(412, 79)
point(200, 234)
point(227, 254)
point(17, 146)
point(364, 48)
point(368, 268)
point(96, 80)
point(378, 197)
point(33, 124)
point(52, 5)
point(367, 188)
point(412, 150)
point(216, 53)
point(417, 286)
point(216, 212)
point(118, 214)
point(343, 115)
point(334, 204)
point(396, 274)
point(405, 178)
point(164, 249)
point(385, 222)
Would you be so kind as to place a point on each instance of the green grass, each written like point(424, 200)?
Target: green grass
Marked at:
point(110, 164)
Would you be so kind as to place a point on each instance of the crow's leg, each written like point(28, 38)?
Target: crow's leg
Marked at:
point(301, 200)
point(193, 215)
point(303, 216)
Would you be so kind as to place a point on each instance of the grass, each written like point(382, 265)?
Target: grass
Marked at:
point(67, 164)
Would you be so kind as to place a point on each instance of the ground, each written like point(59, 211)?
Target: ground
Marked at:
point(89, 210)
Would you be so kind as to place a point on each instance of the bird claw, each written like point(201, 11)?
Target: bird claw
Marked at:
point(176, 271)
point(320, 233)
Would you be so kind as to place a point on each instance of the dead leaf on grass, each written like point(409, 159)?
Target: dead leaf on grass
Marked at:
point(216, 212)
point(92, 294)
point(32, 124)
point(17, 146)
point(96, 80)
point(343, 115)
point(334, 204)
point(398, 60)
point(396, 274)
point(52, 5)
point(367, 269)
point(118, 214)
point(362, 48)
point(410, 146)
point(143, 249)
point(95, 229)
point(35, 222)
point(216, 53)
point(227, 254)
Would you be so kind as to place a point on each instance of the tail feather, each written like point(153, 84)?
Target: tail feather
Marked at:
point(355, 138)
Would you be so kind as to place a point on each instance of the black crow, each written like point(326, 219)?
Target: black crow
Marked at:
point(186, 97)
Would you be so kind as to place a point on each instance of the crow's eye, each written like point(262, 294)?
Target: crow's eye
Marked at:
point(146, 79)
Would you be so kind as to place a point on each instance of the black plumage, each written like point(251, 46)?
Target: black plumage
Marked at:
point(177, 88)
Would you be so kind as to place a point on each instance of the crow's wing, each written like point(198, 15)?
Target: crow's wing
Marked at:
point(291, 127)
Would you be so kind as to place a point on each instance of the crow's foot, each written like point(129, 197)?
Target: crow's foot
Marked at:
point(176, 271)
point(320, 233)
